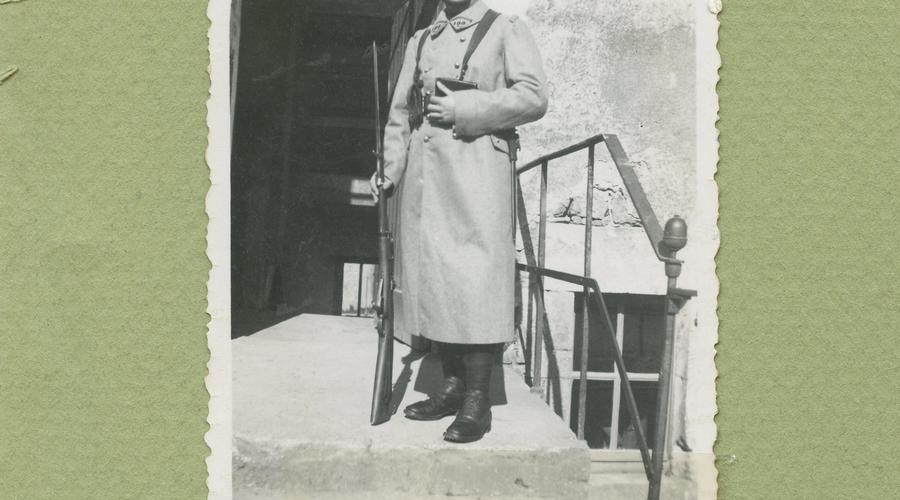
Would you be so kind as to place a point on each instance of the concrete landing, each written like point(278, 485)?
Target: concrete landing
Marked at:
point(625, 486)
point(302, 392)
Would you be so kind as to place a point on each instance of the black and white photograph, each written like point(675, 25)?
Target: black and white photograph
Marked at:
point(463, 248)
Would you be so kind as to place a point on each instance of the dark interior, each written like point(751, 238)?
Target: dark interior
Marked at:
point(303, 134)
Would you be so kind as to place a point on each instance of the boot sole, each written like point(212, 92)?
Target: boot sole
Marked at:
point(466, 439)
point(429, 418)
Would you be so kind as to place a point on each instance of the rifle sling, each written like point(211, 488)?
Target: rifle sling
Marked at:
point(510, 136)
point(480, 31)
point(417, 77)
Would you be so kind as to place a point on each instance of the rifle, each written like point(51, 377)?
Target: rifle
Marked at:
point(381, 393)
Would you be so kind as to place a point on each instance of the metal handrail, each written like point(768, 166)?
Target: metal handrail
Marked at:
point(665, 244)
point(617, 354)
point(560, 153)
point(636, 192)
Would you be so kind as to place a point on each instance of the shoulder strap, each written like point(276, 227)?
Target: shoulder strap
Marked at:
point(418, 73)
point(483, 26)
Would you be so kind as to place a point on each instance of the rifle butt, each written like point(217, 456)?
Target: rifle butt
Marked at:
point(381, 393)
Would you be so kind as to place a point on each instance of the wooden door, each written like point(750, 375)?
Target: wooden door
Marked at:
point(409, 16)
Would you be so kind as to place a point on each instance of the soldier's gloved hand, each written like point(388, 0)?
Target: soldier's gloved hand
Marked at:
point(442, 110)
point(373, 186)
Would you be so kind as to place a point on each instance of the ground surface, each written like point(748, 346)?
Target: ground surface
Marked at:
point(302, 392)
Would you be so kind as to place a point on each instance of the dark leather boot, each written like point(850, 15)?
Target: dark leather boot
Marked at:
point(445, 403)
point(474, 418)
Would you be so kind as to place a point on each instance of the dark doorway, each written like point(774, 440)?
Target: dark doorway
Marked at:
point(359, 287)
point(303, 132)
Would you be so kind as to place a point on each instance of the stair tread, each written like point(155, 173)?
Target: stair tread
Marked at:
point(302, 392)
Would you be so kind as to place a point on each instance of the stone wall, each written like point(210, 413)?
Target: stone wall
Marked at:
point(625, 68)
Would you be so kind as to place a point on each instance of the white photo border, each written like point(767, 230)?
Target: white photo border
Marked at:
point(218, 156)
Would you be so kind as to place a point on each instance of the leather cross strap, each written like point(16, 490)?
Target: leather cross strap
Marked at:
point(480, 30)
point(417, 76)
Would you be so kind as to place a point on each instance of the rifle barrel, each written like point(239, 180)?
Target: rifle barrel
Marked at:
point(381, 395)
point(377, 107)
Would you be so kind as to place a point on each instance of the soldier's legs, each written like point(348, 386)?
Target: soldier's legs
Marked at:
point(448, 400)
point(474, 417)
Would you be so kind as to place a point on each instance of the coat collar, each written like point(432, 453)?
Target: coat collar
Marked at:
point(465, 19)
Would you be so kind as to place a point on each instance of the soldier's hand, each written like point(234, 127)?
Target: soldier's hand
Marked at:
point(442, 110)
point(373, 186)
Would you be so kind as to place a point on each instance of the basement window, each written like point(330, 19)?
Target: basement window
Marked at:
point(639, 323)
point(359, 289)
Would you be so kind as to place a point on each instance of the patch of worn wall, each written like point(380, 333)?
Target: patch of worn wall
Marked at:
point(625, 68)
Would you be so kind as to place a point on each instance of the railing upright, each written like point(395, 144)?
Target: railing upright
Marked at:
point(674, 239)
point(528, 246)
point(542, 248)
point(586, 310)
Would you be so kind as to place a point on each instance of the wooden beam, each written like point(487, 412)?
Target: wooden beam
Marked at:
point(367, 8)
point(610, 377)
point(341, 189)
point(342, 122)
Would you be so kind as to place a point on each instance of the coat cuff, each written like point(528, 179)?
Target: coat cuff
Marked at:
point(393, 173)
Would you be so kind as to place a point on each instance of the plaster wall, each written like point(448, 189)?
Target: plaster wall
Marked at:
point(626, 68)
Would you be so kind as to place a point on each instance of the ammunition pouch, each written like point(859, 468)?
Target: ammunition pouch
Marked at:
point(416, 103)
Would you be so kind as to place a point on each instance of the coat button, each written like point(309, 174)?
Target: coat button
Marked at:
point(456, 65)
point(426, 138)
point(462, 39)
point(426, 70)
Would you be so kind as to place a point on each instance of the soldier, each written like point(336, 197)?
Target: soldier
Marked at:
point(450, 180)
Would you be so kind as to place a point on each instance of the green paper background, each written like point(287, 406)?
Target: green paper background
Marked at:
point(103, 271)
point(809, 172)
point(102, 309)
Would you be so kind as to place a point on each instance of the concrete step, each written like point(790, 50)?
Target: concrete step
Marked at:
point(633, 486)
point(302, 393)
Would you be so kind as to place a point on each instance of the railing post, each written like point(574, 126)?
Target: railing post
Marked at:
point(539, 320)
point(617, 380)
point(585, 305)
point(674, 239)
point(531, 260)
point(529, 331)
point(359, 292)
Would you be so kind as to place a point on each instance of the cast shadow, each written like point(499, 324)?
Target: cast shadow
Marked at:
point(398, 392)
point(552, 395)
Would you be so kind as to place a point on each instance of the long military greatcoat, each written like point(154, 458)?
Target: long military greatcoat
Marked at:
point(455, 256)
